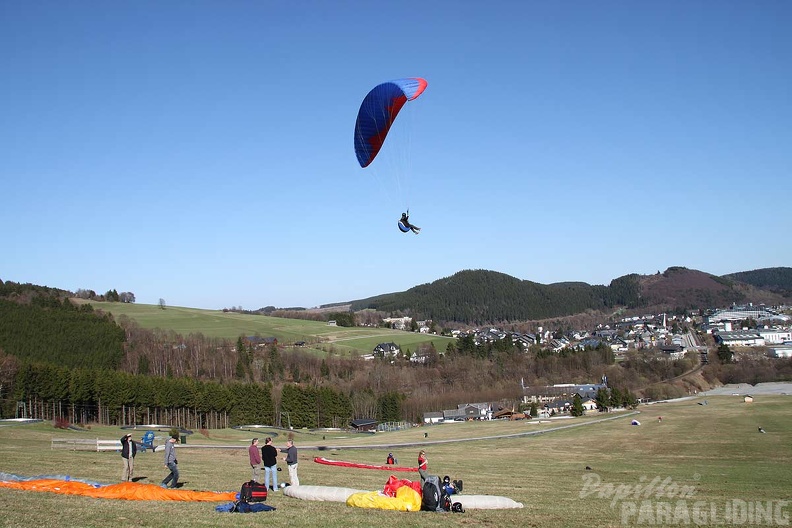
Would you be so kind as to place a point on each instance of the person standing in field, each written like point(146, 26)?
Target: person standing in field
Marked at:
point(255, 459)
point(171, 463)
point(128, 452)
point(269, 457)
point(423, 465)
point(291, 461)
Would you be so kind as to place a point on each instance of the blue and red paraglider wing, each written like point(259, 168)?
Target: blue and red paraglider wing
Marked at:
point(377, 113)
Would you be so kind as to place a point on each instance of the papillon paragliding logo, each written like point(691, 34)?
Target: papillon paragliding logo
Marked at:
point(376, 117)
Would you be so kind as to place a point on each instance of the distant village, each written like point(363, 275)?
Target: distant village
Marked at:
point(674, 336)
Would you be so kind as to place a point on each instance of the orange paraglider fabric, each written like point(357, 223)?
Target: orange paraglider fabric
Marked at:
point(123, 491)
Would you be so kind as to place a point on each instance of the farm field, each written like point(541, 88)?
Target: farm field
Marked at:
point(712, 455)
point(318, 336)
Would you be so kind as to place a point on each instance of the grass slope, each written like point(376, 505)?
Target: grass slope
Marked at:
point(716, 449)
point(229, 325)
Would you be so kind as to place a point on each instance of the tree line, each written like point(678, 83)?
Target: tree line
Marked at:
point(118, 398)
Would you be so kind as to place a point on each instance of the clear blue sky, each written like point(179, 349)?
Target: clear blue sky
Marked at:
point(201, 152)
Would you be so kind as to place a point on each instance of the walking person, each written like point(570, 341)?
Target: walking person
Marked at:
point(128, 452)
point(269, 457)
point(255, 459)
point(171, 463)
point(291, 461)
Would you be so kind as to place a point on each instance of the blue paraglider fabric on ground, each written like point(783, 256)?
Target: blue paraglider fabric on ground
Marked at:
point(244, 507)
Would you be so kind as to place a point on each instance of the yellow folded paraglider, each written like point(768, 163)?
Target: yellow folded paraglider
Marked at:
point(406, 499)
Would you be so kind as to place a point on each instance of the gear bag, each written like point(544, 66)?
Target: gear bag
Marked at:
point(253, 492)
point(434, 498)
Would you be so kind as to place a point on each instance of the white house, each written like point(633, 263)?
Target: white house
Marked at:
point(399, 323)
point(748, 338)
point(386, 350)
point(775, 336)
point(418, 358)
point(781, 351)
point(433, 417)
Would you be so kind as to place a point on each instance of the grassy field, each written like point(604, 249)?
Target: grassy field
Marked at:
point(317, 335)
point(714, 452)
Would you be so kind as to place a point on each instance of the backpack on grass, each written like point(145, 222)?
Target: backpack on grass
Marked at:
point(434, 497)
point(252, 491)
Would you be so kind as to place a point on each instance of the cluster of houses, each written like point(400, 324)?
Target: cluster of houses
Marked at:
point(670, 334)
point(550, 401)
point(772, 331)
point(635, 333)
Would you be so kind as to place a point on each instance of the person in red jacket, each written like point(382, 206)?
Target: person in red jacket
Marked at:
point(423, 465)
point(255, 459)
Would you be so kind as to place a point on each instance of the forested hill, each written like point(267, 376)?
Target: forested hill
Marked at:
point(38, 323)
point(481, 296)
point(478, 296)
point(773, 279)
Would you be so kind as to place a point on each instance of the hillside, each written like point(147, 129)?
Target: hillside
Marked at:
point(157, 360)
point(40, 324)
point(478, 296)
point(481, 296)
point(777, 280)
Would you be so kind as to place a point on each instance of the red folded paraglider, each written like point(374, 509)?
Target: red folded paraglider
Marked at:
point(328, 462)
point(394, 484)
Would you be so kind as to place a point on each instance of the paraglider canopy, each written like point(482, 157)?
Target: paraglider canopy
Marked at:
point(377, 113)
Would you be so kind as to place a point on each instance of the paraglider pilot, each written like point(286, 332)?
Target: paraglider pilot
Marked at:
point(405, 225)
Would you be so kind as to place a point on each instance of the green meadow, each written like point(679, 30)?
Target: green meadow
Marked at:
point(318, 336)
point(708, 463)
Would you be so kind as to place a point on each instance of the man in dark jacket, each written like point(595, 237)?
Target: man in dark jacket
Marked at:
point(405, 226)
point(128, 452)
point(291, 461)
point(269, 457)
